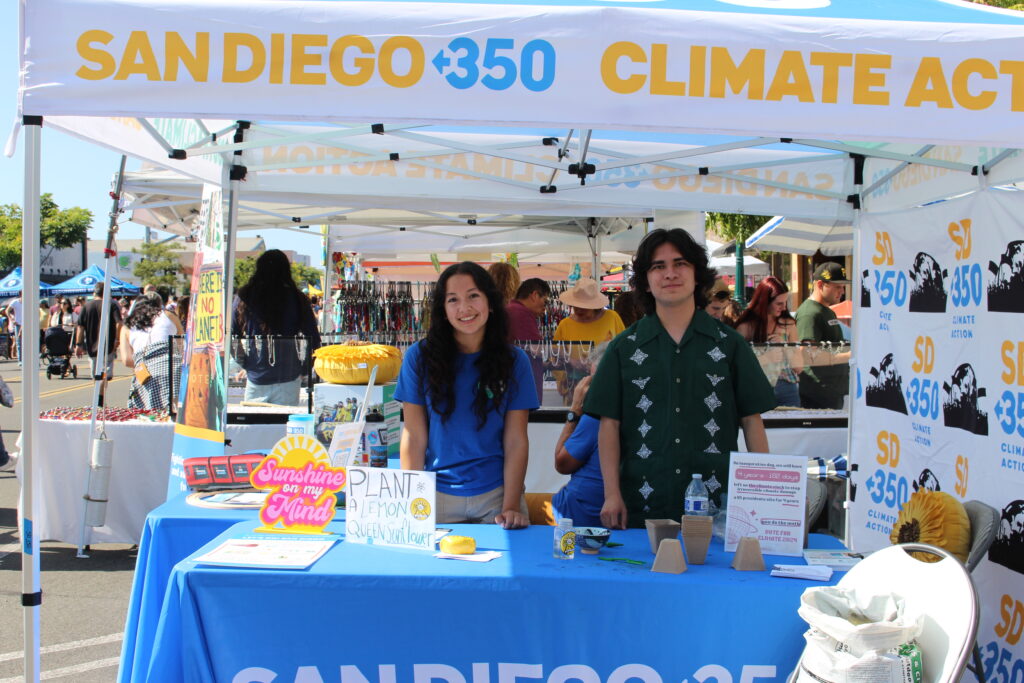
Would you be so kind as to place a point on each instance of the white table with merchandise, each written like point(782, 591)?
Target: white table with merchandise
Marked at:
point(138, 476)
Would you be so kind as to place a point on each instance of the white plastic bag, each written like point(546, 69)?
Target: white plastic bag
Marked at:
point(857, 638)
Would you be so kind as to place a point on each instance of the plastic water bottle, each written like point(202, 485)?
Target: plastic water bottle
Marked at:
point(697, 497)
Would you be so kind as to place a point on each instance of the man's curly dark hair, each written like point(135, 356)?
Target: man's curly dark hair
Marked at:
point(695, 254)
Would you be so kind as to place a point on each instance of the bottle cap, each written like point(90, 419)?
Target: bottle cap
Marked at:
point(565, 522)
point(698, 476)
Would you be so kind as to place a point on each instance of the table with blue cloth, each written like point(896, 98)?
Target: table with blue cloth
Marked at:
point(368, 613)
point(172, 532)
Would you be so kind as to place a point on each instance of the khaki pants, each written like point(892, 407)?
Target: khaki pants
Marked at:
point(479, 509)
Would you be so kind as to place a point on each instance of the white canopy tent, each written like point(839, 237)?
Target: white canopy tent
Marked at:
point(933, 85)
point(803, 237)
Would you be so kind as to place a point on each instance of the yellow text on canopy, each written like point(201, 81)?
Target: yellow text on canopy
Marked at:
point(811, 77)
point(295, 59)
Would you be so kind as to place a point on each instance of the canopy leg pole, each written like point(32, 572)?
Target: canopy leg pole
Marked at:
point(31, 594)
point(236, 174)
point(99, 385)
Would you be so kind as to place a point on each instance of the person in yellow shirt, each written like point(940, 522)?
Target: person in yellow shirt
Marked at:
point(590, 321)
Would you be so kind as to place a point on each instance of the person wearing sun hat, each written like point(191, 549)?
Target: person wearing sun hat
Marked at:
point(590, 321)
point(824, 384)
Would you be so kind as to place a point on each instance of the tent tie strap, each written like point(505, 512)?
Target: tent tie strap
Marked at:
point(110, 253)
point(32, 599)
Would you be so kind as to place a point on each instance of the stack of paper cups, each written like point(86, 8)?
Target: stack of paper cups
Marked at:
point(696, 537)
point(99, 482)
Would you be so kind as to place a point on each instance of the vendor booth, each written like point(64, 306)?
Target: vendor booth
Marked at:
point(830, 110)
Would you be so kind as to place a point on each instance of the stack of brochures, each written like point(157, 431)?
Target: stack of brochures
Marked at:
point(838, 560)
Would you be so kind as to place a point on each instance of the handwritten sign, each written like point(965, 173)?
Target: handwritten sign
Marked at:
point(209, 314)
point(767, 500)
point(302, 485)
point(390, 507)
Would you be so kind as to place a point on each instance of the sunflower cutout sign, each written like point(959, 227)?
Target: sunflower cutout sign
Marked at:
point(302, 485)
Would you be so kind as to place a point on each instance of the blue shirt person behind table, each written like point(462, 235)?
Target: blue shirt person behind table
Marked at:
point(576, 454)
point(467, 393)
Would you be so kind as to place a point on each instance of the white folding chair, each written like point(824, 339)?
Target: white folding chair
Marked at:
point(942, 591)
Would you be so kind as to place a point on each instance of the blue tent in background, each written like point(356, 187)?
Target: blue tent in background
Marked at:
point(11, 284)
point(84, 282)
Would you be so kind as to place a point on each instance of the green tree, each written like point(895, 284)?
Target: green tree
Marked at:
point(59, 229)
point(737, 227)
point(306, 275)
point(160, 265)
point(244, 268)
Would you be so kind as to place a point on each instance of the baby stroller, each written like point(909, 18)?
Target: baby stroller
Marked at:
point(58, 352)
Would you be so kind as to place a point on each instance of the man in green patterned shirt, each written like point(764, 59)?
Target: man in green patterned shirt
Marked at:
point(673, 389)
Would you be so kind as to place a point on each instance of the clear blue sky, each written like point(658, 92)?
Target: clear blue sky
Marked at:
point(78, 173)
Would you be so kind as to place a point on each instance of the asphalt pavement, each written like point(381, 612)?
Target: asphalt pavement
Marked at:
point(84, 600)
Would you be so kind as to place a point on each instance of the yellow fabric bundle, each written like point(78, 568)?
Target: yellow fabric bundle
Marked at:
point(935, 518)
point(351, 362)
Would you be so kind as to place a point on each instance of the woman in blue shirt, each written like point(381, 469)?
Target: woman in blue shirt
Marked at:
point(467, 393)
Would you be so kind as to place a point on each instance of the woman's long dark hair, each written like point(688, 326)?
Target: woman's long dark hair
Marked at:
point(694, 253)
point(268, 293)
point(439, 351)
point(759, 309)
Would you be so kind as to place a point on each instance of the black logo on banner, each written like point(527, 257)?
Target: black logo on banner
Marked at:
point(927, 481)
point(928, 294)
point(1008, 548)
point(885, 390)
point(865, 292)
point(1006, 291)
point(960, 409)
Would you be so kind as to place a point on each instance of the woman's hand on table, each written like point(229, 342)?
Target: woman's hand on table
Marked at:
point(512, 519)
point(613, 513)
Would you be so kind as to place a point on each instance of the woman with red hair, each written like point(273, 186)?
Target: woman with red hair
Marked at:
point(767, 319)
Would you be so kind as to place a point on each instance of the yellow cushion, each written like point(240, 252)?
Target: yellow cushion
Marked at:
point(935, 518)
point(352, 363)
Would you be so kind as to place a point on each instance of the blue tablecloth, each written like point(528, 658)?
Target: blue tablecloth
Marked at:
point(365, 613)
point(173, 531)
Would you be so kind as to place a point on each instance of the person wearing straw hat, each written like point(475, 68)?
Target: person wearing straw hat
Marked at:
point(590, 321)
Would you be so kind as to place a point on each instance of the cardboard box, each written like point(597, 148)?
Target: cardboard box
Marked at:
point(339, 403)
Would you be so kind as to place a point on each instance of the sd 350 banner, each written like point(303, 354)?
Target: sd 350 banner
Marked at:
point(940, 386)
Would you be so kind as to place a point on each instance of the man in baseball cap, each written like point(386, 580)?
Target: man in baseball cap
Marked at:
point(823, 385)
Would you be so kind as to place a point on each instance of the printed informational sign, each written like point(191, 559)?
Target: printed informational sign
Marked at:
point(302, 485)
point(940, 386)
point(391, 507)
point(767, 500)
point(202, 403)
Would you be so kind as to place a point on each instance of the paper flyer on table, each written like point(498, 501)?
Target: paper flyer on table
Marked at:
point(839, 560)
point(767, 500)
point(267, 553)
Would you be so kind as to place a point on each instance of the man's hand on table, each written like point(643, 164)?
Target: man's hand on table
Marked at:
point(512, 519)
point(613, 514)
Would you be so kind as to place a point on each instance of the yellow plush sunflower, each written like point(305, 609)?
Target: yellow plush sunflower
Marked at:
point(935, 518)
point(351, 362)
